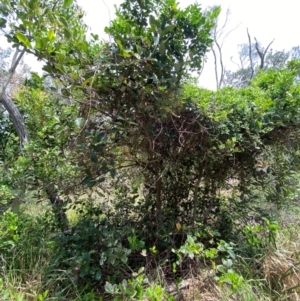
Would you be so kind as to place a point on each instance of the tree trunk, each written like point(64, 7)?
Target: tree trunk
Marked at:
point(58, 209)
point(9, 105)
point(20, 127)
point(17, 119)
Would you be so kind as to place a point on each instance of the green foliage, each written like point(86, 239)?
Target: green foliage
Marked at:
point(181, 169)
point(51, 123)
point(94, 250)
point(9, 232)
point(252, 131)
point(231, 278)
point(17, 235)
point(272, 60)
point(174, 40)
point(134, 289)
point(48, 36)
point(8, 295)
point(226, 252)
point(47, 160)
point(191, 248)
point(225, 272)
point(6, 195)
point(26, 250)
point(135, 243)
point(261, 237)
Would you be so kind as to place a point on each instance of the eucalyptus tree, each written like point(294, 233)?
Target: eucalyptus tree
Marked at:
point(252, 58)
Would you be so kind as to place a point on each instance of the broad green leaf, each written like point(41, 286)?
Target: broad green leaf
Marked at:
point(101, 180)
point(110, 288)
point(98, 275)
point(38, 79)
point(169, 28)
point(52, 18)
point(178, 66)
point(88, 181)
point(3, 10)
point(51, 35)
point(40, 43)
point(138, 49)
point(67, 34)
point(191, 53)
point(216, 12)
point(67, 3)
point(2, 23)
point(120, 46)
point(32, 4)
point(63, 21)
point(95, 36)
point(112, 172)
point(23, 39)
point(94, 157)
point(49, 69)
point(141, 270)
point(162, 47)
point(152, 21)
point(84, 46)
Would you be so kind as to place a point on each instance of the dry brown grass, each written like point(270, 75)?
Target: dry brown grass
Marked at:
point(280, 281)
point(200, 289)
point(205, 288)
point(281, 267)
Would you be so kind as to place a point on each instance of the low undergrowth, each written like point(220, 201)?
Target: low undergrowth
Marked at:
point(103, 258)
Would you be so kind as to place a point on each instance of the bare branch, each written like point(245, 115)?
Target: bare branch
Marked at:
point(15, 61)
point(250, 55)
point(229, 32)
point(221, 30)
point(108, 10)
point(268, 46)
point(202, 68)
point(219, 37)
point(231, 59)
point(221, 66)
point(9, 105)
point(216, 66)
point(17, 119)
point(261, 53)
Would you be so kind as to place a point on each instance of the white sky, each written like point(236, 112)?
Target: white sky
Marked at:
point(265, 20)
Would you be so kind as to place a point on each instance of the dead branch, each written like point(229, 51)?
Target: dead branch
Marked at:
point(250, 55)
point(262, 53)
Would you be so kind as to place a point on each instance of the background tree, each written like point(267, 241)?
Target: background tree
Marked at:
point(253, 58)
point(220, 34)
